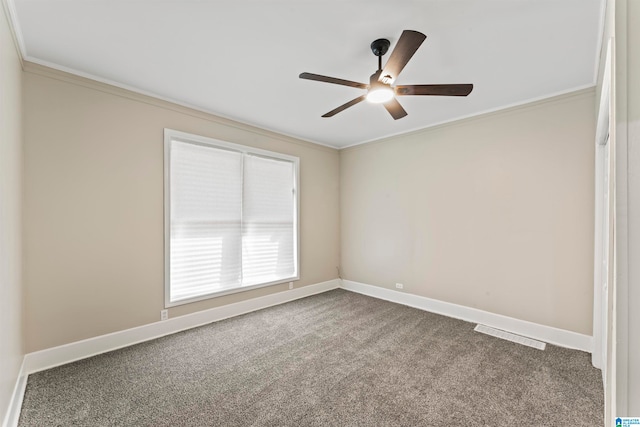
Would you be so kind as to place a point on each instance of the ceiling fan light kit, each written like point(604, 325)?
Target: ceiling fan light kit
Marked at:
point(379, 92)
point(380, 89)
point(380, 95)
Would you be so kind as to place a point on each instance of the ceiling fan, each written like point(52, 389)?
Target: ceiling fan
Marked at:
point(380, 89)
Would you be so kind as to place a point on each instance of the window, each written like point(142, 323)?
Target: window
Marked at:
point(231, 218)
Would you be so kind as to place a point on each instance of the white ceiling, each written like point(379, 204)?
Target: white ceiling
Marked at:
point(240, 59)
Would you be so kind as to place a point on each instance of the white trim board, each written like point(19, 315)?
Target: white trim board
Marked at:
point(56, 356)
point(15, 404)
point(548, 334)
point(67, 353)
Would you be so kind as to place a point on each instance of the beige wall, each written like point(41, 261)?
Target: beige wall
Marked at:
point(494, 212)
point(11, 350)
point(94, 206)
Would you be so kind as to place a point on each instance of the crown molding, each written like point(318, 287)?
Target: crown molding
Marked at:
point(533, 103)
point(53, 71)
point(14, 27)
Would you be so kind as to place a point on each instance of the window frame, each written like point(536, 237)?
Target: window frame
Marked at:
point(184, 137)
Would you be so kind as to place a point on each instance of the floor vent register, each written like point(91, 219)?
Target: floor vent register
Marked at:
point(510, 337)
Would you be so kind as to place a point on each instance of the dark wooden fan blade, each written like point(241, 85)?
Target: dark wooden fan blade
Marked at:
point(437, 90)
point(345, 106)
point(407, 45)
point(395, 109)
point(319, 78)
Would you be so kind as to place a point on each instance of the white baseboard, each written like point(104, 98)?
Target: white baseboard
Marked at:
point(55, 356)
point(13, 411)
point(548, 334)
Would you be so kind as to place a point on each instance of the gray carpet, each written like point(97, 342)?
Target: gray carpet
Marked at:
point(334, 359)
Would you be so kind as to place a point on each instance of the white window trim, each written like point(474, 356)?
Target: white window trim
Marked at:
point(169, 135)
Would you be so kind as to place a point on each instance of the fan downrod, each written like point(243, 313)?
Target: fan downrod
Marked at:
point(380, 47)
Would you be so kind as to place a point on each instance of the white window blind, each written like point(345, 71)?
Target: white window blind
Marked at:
point(230, 218)
point(267, 220)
